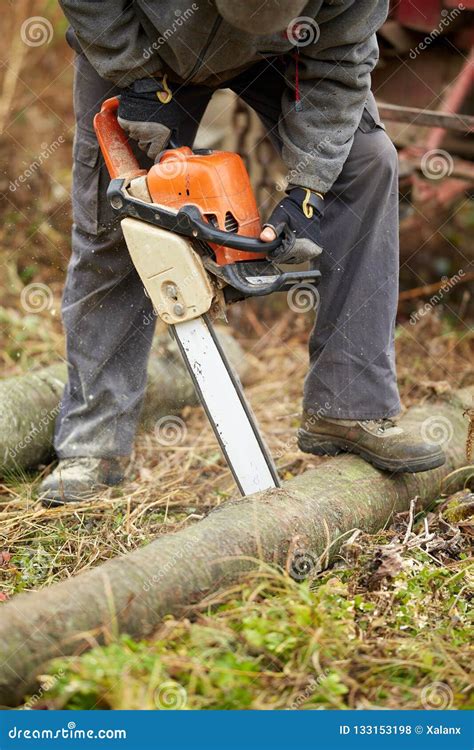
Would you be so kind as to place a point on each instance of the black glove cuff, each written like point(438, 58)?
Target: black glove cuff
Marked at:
point(305, 198)
point(144, 99)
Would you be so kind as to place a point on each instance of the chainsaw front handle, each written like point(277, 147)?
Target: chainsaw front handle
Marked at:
point(187, 222)
point(114, 144)
point(191, 217)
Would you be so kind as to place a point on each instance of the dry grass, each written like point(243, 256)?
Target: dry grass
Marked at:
point(173, 485)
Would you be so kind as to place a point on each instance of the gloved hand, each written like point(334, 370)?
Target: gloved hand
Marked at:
point(302, 209)
point(148, 113)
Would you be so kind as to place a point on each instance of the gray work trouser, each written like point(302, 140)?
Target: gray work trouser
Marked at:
point(108, 318)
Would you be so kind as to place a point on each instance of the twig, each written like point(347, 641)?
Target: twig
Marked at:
point(16, 59)
point(411, 518)
point(423, 291)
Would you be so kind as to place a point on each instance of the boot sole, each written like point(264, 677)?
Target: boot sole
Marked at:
point(56, 500)
point(306, 443)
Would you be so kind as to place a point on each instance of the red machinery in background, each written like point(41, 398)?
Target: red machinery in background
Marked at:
point(424, 15)
point(424, 85)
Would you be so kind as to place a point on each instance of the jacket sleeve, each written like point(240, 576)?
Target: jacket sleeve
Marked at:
point(112, 39)
point(334, 83)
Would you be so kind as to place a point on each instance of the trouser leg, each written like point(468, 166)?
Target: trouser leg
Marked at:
point(108, 319)
point(352, 360)
point(352, 371)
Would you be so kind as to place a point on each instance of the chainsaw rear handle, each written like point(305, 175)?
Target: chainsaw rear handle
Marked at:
point(188, 222)
point(114, 144)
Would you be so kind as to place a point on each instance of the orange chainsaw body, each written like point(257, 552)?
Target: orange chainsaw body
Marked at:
point(217, 183)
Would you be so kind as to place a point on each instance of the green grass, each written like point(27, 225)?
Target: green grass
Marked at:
point(389, 628)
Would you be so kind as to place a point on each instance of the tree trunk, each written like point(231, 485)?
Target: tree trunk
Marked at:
point(299, 527)
point(29, 404)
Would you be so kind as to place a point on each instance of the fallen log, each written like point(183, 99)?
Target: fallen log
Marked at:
point(299, 527)
point(29, 404)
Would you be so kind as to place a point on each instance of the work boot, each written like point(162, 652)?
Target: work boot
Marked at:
point(77, 479)
point(384, 443)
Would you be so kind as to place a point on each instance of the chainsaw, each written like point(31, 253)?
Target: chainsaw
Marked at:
point(191, 226)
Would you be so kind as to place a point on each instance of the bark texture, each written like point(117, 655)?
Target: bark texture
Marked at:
point(300, 526)
point(29, 404)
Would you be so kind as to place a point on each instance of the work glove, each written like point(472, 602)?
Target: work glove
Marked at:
point(148, 114)
point(302, 210)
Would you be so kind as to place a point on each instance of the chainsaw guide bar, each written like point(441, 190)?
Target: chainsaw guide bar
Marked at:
point(192, 229)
